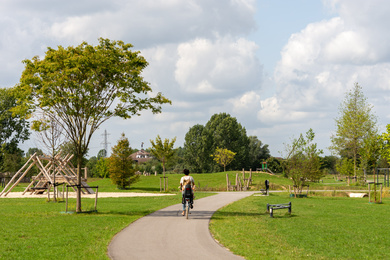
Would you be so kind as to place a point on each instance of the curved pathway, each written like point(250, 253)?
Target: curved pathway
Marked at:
point(166, 234)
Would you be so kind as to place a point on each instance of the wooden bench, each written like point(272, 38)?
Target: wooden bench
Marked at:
point(272, 207)
point(264, 192)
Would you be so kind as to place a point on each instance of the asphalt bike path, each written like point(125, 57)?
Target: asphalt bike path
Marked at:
point(166, 234)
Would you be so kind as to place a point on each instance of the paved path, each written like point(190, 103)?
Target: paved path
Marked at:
point(166, 234)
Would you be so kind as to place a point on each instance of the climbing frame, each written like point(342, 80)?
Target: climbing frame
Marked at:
point(52, 171)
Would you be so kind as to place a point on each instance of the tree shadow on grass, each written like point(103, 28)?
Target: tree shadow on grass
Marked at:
point(149, 189)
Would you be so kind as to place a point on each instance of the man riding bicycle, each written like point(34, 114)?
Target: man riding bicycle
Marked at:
point(187, 187)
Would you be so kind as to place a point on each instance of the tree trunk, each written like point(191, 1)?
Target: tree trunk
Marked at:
point(78, 196)
point(163, 163)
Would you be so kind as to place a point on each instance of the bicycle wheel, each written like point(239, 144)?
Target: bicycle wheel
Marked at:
point(187, 210)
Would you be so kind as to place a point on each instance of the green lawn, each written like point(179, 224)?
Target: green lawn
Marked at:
point(36, 229)
point(319, 228)
point(204, 182)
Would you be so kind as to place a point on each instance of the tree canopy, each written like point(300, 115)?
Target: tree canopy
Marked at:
point(223, 157)
point(13, 130)
point(120, 166)
point(222, 130)
point(81, 87)
point(163, 151)
point(355, 123)
point(303, 162)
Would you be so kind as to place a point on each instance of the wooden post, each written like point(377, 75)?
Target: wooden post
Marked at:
point(369, 192)
point(48, 192)
point(227, 182)
point(66, 204)
point(54, 186)
point(96, 197)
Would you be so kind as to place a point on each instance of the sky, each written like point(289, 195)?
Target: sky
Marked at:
point(279, 67)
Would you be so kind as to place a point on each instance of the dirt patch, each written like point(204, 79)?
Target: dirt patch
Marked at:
point(100, 195)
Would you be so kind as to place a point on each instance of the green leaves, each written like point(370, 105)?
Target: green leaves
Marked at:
point(163, 151)
point(355, 124)
point(223, 157)
point(385, 141)
point(86, 85)
point(122, 172)
point(303, 161)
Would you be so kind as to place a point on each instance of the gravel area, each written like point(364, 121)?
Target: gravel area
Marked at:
point(100, 195)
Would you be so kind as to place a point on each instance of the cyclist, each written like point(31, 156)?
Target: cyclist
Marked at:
point(187, 179)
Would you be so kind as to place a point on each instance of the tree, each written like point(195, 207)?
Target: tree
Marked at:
point(81, 87)
point(258, 152)
point(13, 129)
point(345, 167)
point(303, 161)
point(102, 167)
point(102, 153)
point(69, 148)
point(91, 165)
point(224, 131)
point(370, 151)
point(355, 123)
point(328, 163)
point(163, 151)
point(223, 157)
point(274, 164)
point(385, 141)
point(50, 133)
point(122, 172)
point(197, 147)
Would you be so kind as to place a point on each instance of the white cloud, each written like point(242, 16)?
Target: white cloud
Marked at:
point(323, 61)
point(217, 67)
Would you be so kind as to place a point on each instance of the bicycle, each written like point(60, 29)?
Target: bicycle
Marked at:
point(187, 199)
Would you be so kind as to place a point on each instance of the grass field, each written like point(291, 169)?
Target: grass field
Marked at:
point(204, 182)
point(319, 228)
point(36, 229)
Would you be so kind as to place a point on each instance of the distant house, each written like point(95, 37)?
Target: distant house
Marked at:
point(141, 156)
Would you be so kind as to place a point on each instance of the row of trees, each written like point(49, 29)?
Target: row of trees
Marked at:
point(79, 88)
point(356, 141)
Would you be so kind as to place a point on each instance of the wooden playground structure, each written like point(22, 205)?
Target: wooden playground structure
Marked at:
point(53, 171)
point(242, 184)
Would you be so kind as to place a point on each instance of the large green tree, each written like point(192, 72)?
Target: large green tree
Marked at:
point(197, 147)
point(355, 123)
point(226, 132)
point(13, 130)
point(81, 87)
point(222, 130)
